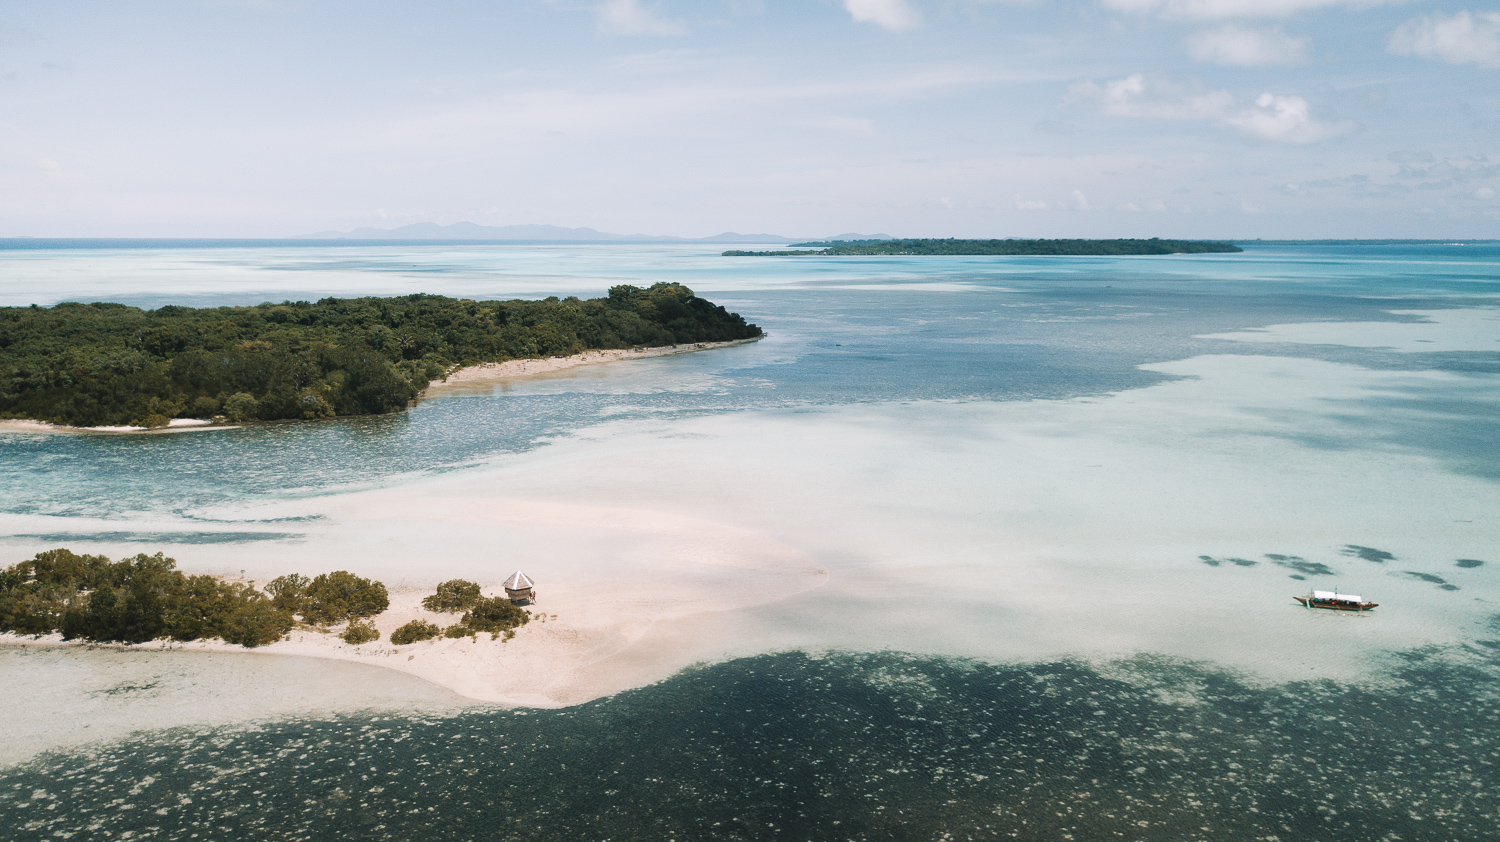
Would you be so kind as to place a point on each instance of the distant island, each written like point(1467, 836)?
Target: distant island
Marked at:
point(836, 248)
point(87, 365)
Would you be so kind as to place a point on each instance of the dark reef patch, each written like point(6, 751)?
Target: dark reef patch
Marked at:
point(1237, 562)
point(1367, 553)
point(1468, 563)
point(1428, 577)
point(847, 747)
point(1301, 565)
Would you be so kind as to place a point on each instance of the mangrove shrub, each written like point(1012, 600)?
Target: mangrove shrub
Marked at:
point(452, 596)
point(414, 631)
point(494, 615)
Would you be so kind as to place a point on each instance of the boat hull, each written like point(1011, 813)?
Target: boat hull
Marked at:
point(1332, 605)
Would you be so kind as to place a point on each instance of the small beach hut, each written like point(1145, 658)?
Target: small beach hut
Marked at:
point(520, 588)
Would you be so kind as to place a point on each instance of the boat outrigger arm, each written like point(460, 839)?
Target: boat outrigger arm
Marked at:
point(1335, 601)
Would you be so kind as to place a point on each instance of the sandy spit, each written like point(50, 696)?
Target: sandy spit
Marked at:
point(586, 638)
point(177, 425)
point(486, 374)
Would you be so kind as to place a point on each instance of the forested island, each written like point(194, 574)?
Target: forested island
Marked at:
point(145, 598)
point(110, 364)
point(836, 248)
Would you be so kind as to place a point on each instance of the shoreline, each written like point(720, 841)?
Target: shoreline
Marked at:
point(177, 425)
point(487, 373)
point(585, 643)
point(593, 632)
point(474, 375)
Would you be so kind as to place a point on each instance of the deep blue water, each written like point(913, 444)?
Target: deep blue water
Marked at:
point(858, 747)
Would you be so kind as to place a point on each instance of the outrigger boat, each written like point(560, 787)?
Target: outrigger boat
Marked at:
point(1335, 601)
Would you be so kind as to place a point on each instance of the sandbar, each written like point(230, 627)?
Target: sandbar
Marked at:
point(484, 375)
point(590, 635)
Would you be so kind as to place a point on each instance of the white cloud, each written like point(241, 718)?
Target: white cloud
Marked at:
point(1029, 204)
point(1484, 193)
point(1283, 119)
point(1241, 46)
point(1463, 38)
point(629, 17)
point(1286, 119)
point(1137, 96)
point(1078, 201)
point(894, 15)
point(1222, 9)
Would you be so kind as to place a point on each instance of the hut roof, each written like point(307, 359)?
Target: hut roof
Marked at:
point(518, 581)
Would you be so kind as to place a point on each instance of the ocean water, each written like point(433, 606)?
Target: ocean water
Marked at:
point(1063, 503)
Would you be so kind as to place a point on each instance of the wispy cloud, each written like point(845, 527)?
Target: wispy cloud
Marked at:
point(1240, 46)
point(1464, 38)
point(1225, 9)
point(1273, 117)
point(629, 108)
point(895, 15)
point(629, 17)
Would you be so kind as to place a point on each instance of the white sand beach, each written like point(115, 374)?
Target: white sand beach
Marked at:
point(177, 425)
point(483, 377)
point(591, 634)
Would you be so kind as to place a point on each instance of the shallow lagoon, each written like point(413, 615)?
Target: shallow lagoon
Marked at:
point(1079, 462)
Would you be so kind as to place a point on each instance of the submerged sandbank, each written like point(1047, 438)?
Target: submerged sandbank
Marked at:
point(1176, 520)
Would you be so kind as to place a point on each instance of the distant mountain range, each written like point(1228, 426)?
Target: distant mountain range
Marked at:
point(551, 233)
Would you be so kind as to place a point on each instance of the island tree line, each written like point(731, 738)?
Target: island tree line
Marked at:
point(111, 364)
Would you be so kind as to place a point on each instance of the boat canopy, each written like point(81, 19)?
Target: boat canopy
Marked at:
point(1337, 597)
point(518, 581)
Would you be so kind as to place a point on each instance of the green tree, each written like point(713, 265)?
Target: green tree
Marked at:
point(241, 406)
point(134, 600)
point(494, 615)
point(289, 592)
point(414, 631)
point(452, 596)
point(341, 595)
point(360, 631)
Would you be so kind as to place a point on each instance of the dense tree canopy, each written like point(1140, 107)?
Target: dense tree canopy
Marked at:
point(98, 364)
point(146, 597)
point(134, 600)
point(328, 597)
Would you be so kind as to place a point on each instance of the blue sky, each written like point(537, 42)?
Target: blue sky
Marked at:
point(1192, 118)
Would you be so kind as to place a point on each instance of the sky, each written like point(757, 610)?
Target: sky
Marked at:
point(921, 118)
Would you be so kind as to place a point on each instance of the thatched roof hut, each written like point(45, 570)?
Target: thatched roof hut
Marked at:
point(520, 588)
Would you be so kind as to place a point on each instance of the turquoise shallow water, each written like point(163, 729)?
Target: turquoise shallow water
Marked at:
point(842, 331)
point(858, 746)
